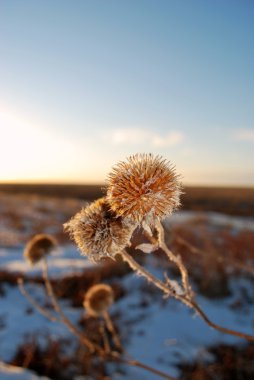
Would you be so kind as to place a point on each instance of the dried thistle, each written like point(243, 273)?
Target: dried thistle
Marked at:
point(99, 232)
point(98, 299)
point(38, 247)
point(144, 187)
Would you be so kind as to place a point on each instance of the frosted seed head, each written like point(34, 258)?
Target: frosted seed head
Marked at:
point(99, 232)
point(143, 187)
point(38, 247)
point(98, 299)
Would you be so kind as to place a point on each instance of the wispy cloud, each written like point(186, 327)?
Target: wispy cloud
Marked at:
point(140, 136)
point(244, 135)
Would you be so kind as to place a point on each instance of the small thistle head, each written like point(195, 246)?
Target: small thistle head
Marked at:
point(98, 299)
point(143, 187)
point(38, 247)
point(99, 232)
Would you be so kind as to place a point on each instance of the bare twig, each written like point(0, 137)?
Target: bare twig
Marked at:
point(169, 291)
point(175, 259)
point(34, 303)
point(91, 346)
point(104, 337)
point(114, 356)
point(189, 302)
point(136, 363)
point(112, 330)
point(239, 334)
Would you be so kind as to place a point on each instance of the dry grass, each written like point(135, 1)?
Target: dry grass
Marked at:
point(58, 362)
point(235, 201)
point(228, 363)
point(219, 255)
point(232, 201)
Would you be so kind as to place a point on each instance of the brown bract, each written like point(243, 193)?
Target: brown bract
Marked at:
point(98, 299)
point(38, 247)
point(143, 187)
point(98, 231)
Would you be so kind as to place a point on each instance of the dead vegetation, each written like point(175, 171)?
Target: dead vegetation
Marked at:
point(227, 362)
point(55, 359)
point(212, 256)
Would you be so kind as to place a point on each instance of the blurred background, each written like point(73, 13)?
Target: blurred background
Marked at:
point(87, 83)
point(83, 85)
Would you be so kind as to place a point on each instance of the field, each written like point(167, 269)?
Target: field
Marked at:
point(213, 232)
point(234, 201)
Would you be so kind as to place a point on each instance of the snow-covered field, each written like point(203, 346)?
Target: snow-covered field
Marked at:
point(156, 331)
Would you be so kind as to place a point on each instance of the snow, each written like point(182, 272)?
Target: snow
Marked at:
point(160, 332)
point(167, 332)
point(9, 372)
point(19, 322)
point(64, 261)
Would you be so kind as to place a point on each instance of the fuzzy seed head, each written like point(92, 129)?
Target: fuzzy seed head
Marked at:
point(38, 247)
point(98, 299)
point(143, 187)
point(99, 232)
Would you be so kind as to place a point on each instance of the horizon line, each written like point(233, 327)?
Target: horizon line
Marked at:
point(101, 184)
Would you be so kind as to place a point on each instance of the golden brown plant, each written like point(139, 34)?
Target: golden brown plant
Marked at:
point(98, 299)
point(141, 190)
point(143, 187)
point(38, 247)
point(98, 231)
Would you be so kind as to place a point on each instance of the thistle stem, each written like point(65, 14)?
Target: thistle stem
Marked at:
point(202, 314)
point(112, 330)
point(115, 356)
point(91, 346)
point(175, 259)
point(151, 278)
point(104, 337)
point(189, 302)
point(34, 303)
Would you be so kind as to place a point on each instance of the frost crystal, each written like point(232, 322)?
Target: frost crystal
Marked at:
point(99, 232)
point(145, 187)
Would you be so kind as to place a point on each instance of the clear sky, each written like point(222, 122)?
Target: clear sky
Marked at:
point(85, 83)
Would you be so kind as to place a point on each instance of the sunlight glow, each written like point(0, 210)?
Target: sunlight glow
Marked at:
point(31, 153)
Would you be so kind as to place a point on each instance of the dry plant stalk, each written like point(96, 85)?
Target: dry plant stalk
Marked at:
point(98, 299)
point(38, 247)
point(140, 192)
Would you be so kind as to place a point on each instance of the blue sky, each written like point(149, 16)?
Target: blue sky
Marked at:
point(86, 83)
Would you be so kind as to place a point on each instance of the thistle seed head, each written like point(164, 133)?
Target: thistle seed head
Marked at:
point(99, 232)
point(143, 187)
point(38, 247)
point(98, 299)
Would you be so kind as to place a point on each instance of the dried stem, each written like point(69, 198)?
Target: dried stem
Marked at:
point(106, 353)
point(91, 346)
point(136, 363)
point(104, 337)
point(189, 302)
point(151, 278)
point(201, 313)
point(114, 356)
point(175, 259)
point(34, 302)
point(112, 330)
